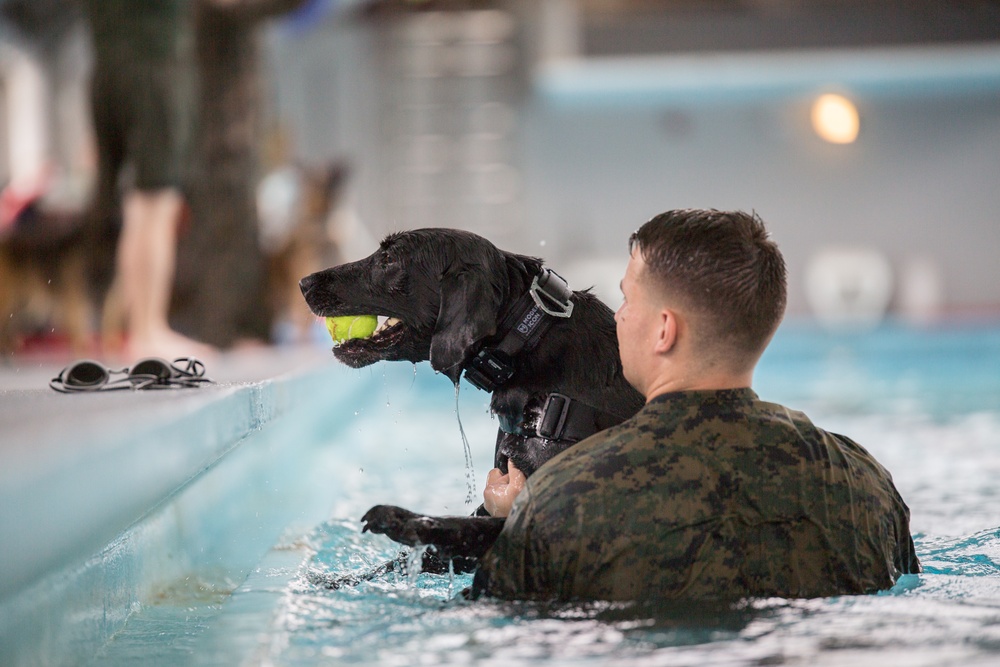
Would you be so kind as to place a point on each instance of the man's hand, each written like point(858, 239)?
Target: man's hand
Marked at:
point(501, 489)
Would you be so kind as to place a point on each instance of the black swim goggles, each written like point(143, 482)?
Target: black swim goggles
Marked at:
point(149, 373)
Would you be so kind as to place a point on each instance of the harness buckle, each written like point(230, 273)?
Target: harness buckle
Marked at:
point(551, 293)
point(489, 369)
point(552, 421)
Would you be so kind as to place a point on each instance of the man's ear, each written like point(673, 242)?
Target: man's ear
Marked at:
point(467, 314)
point(666, 337)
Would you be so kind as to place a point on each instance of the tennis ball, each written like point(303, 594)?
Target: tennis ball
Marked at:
point(351, 326)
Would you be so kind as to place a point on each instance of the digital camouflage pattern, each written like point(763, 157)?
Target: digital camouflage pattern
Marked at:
point(704, 495)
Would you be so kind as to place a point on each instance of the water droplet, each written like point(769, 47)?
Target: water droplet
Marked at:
point(542, 243)
point(470, 475)
point(414, 564)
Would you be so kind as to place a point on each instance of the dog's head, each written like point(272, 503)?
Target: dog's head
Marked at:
point(439, 291)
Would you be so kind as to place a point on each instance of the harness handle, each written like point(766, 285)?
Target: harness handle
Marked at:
point(552, 288)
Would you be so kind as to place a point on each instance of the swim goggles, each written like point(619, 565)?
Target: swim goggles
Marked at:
point(149, 373)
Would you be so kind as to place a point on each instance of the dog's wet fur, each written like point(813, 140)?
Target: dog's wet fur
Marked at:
point(449, 291)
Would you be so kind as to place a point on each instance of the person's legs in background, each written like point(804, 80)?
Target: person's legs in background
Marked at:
point(144, 98)
point(145, 264)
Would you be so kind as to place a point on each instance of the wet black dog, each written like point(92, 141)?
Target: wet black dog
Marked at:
point(548, 355)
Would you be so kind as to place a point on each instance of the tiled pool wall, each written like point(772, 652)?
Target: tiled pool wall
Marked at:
point(242, 475)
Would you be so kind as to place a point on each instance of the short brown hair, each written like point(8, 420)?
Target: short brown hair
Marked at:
point(722, 265)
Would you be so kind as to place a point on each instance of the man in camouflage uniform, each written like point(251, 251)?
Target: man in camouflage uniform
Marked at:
point(708, 492)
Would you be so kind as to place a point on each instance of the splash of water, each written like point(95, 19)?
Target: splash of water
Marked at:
point(414, 564)
point(470, 474)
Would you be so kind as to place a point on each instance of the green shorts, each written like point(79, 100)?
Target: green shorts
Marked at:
point(143, 118)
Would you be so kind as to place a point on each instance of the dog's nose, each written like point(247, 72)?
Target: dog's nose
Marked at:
point(306, 283)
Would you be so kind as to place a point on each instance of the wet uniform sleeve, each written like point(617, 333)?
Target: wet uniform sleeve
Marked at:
point(512, 567)
point(565, 543)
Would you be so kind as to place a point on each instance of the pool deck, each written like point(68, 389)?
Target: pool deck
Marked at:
point(83, 474)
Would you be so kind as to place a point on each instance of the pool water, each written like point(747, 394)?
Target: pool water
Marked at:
point(925, 402)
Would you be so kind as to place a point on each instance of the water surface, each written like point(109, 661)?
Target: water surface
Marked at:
point(926, 403)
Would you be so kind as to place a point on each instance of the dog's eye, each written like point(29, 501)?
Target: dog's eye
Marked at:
point(387, 259)
point(391, 272)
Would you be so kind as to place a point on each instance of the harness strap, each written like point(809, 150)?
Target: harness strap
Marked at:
point(568, 420)
point(561, 419)
point(548, 299)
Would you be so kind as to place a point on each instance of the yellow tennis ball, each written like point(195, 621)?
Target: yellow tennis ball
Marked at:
point(351, 326)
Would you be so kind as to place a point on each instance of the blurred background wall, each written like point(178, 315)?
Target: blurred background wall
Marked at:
point(556, 128)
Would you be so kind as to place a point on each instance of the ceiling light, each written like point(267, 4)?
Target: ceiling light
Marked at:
point(835, 119)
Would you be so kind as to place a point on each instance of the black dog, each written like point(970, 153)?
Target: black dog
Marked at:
point(549, 355)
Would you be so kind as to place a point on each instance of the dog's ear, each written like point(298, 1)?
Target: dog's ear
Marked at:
point(467, 314)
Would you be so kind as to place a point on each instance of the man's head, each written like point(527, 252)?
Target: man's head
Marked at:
point(704, 294)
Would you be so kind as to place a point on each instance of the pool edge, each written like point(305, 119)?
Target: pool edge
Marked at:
point(212, 498)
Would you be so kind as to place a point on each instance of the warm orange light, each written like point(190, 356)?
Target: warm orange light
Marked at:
point(835, 119)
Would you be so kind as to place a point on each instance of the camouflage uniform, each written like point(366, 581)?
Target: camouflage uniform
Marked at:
point(704, 495)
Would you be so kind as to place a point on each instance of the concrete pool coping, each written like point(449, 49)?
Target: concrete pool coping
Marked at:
point(105, 496)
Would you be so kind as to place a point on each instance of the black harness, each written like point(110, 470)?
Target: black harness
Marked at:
point(548, 299)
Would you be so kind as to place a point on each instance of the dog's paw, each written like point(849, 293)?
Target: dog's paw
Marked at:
point(390, 521)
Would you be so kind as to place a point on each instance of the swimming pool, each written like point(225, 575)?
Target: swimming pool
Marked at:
point(926, 402)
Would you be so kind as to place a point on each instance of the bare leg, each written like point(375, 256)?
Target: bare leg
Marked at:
point(147, 253)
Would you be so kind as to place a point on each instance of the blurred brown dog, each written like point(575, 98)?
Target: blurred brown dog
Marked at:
point(45, 281)
point(296, 206)
point(53, 278)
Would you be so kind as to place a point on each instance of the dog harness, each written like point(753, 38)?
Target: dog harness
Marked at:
point(549, 298)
